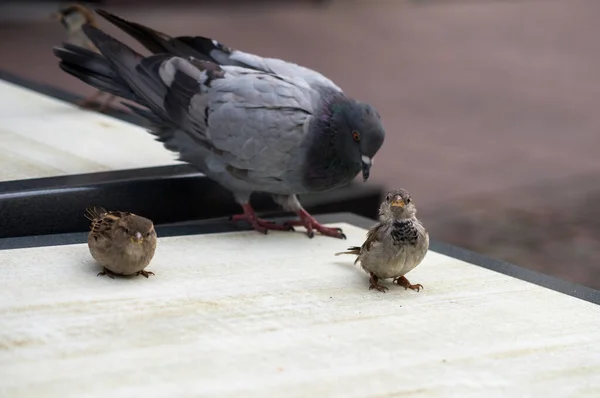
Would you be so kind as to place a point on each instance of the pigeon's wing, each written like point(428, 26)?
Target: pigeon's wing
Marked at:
point(207, 49)
point(246, 121)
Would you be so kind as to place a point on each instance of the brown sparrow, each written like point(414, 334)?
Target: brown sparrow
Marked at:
point(73, 17)
point(395, 245)
point(123, 243)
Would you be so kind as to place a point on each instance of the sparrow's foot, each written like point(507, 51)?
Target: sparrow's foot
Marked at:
point(402, 281)
point(108, 273)
point(311, 224)
point(145, 273)
point(375, 285)
point(260, 225)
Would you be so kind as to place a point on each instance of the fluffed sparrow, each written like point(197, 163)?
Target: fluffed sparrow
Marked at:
point(395, 245)
point(123, 243)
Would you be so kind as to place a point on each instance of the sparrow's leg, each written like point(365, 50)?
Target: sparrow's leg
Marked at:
point(259, 224)
point(374, 285)
point(291, 203)
point(145, 273)
point(89, 102)
point(402, 281)
point(107, 272)
point(105, 104)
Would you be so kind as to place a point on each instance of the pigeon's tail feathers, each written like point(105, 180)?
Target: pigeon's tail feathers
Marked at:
point(154, 41)
point(95, 213)
point(93, 69)
point(355, 250)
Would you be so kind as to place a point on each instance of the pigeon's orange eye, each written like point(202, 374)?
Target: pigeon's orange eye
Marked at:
point(356, 136)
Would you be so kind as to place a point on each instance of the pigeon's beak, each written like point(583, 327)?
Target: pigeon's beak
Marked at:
point(367, 162)
point(137, 238)
point(398, 202)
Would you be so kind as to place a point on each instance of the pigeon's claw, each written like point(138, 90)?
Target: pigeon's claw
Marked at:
point(260, 225)
point(402, 281)
point(311, 224)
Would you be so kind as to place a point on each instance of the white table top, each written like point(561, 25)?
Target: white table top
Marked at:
point(286, 318)
point(41, 136)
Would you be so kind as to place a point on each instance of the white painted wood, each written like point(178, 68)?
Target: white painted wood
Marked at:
point(247, 315)
point(41, 136)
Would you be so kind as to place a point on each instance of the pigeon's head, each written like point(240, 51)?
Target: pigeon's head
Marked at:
point(360, 132)
point(397, 205)
point(73, 17)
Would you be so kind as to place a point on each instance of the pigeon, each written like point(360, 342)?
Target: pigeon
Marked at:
point(123, 243)
point(73, 17)
point(395, 245)
point(251, 124)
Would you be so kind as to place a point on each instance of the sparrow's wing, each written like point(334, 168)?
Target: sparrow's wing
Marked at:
point(372, 238)
point(207, 49)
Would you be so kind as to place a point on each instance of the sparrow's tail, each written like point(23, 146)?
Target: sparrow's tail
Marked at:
point(94, 213)
point(351, 250)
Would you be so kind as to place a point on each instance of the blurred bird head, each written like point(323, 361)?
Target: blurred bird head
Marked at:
point(74, 16)
point(133, 229)
point(397, 205)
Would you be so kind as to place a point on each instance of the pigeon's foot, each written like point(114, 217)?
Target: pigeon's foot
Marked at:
point(108, 273)
point(307, 221)
point(375, 285)
point(145, 273)
point(402, 281)
point(260, 225)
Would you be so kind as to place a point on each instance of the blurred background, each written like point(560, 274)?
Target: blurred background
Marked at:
point(492, 108)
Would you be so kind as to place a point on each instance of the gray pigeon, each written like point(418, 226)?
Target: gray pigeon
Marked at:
point(395, 245)
point(252, 124)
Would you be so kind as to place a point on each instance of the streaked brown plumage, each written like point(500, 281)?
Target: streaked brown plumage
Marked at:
point(123, 243)
point(395, 245)
point(73, 17)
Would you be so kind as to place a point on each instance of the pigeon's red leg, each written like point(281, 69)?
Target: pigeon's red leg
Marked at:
point(307, 221)
point(402, 281)
point(257, 223)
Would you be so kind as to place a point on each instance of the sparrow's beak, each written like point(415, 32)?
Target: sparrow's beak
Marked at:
point(137, 238)
point(366, 167)
point(398, 202)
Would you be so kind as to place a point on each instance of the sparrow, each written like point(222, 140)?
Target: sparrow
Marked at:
point(123, 243)
point(252, 124)
point(73, 17)
point(395, 245)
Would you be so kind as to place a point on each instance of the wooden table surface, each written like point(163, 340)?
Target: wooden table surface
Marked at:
point(41, 136)
point(284, 317)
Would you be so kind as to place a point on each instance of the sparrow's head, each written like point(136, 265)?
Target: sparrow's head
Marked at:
point(73, 17)
point(134, 229)
point(397, 205)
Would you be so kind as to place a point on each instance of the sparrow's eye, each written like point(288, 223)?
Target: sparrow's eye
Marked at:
point(407, 200)
point(356, 136)
point(125, 230)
